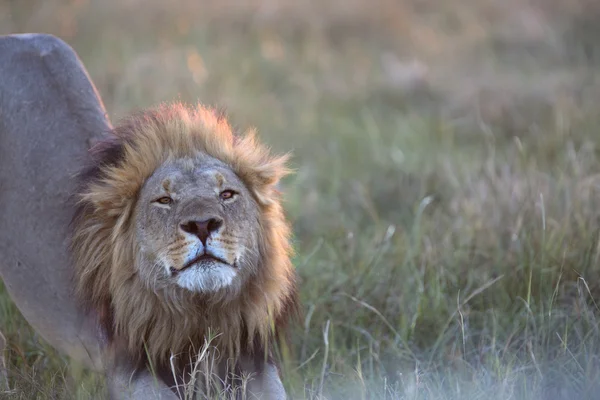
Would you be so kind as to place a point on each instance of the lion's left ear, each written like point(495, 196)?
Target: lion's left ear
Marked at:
point(258, 167)
point(267, 177)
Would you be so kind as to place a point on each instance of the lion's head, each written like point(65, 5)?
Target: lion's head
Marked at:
point(180, 230)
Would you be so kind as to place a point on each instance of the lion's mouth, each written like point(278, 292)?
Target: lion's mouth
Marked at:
point(198, 260)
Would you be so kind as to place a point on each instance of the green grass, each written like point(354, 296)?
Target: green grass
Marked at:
point(446, 224)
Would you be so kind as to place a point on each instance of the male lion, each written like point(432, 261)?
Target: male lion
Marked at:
point(178, 232)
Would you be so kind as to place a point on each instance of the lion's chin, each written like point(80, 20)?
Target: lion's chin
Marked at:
point(201, 278)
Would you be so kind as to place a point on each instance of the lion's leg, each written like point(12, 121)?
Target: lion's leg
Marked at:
point(264, 381)
point(123, 385)
point(266, 385)
point(3, 371)
point(126, 382)
point(49, 113)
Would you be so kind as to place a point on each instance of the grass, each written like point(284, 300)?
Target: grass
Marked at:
point(447, 195)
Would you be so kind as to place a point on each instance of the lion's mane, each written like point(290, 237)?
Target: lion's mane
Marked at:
point(103, 245)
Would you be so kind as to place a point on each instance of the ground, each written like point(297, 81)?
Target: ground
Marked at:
point(446, 197)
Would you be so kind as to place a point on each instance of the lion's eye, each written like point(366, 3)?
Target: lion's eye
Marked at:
point(227, 194)
point(164, 200)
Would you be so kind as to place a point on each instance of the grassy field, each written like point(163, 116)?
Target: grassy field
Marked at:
point(446, 205)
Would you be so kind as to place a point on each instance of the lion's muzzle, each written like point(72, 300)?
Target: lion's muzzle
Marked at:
point(202, 228)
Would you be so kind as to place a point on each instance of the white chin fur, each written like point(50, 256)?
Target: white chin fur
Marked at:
point(198, 279)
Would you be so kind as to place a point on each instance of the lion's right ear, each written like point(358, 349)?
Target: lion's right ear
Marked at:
point(110, 184)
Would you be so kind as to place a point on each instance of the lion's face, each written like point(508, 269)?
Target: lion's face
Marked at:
point(196, 227)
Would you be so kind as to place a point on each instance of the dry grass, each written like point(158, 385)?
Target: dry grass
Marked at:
point(447, 199)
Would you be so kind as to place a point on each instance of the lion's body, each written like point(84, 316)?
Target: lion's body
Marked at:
point(126, 319)
point(49, 111)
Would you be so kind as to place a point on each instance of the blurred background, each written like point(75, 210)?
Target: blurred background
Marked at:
point(446, 197)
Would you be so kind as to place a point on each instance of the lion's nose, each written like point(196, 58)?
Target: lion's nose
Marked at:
point(202, 229)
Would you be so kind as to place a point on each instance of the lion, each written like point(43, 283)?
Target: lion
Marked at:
point(176, 238)
point(179, 230)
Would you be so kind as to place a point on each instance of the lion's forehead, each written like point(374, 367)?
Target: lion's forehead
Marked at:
point(181, 175)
